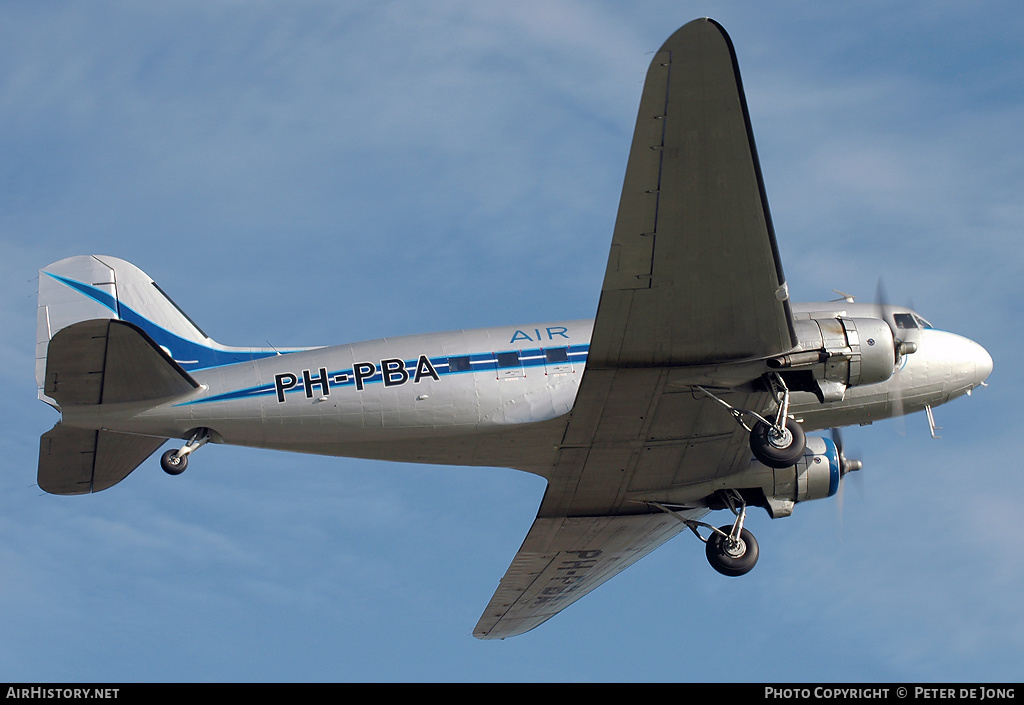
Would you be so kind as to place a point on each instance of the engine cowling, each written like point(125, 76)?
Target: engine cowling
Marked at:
point(815, 476)
point(837, 353)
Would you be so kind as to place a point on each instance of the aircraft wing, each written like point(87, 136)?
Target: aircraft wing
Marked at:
point(694, 274)
point(564, 558)
point(693, 290)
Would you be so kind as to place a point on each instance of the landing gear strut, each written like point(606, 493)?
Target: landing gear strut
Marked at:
point(731, 550)
point(174, 461)
point(777, 443)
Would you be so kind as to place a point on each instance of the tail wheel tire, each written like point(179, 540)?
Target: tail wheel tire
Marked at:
point(775, 449)
point(732, 558)
point(172, 463)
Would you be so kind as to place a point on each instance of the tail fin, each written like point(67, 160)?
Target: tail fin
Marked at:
point(107, 334)
point(90, 287)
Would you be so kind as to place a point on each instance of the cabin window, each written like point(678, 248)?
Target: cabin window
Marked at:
point(509, 366)
point(459, 364)
point(508, 359)
point(556, 354)
point(556, 361)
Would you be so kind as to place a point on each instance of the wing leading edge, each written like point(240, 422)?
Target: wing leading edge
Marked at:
point(693, 279)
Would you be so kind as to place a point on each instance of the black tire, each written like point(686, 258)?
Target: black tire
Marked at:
point(770, 453)
point(172, 463)
point(732, 563)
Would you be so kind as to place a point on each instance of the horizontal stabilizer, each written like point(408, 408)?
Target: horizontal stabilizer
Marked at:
point(80, 461)
point(106, 361)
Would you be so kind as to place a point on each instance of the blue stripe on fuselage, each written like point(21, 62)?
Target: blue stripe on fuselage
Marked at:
point(481, 363)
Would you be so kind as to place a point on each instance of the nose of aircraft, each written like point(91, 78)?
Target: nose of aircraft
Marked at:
point(949, 364)
point(982, 364)
point(969, 364)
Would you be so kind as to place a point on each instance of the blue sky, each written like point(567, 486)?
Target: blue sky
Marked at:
point(313, 173)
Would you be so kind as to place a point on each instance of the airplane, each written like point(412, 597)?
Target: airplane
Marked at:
point(691, 391)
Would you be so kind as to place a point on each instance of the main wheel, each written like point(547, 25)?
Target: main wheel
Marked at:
point(775, 449)
point(732, 558)
point(172, 463)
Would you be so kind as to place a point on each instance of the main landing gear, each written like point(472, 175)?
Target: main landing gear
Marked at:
point(730, 554)
point(778, 443)
point(731, 550)
point(174, 461)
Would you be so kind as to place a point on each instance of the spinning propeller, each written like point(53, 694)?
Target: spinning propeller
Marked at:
point(901, 348)
point(846, 466)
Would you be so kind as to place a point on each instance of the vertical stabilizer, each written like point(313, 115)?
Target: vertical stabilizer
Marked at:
point(91, 287)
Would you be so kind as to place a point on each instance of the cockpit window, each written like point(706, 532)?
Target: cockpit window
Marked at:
point(910, 321)
point(905, 320)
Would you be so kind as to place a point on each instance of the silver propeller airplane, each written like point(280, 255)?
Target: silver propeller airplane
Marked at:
point(689, 392)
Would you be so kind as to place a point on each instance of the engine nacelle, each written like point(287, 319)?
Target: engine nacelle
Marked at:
point(815, 476)
point(833, 354)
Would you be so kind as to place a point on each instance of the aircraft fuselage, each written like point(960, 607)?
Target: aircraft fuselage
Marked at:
point(425, 397)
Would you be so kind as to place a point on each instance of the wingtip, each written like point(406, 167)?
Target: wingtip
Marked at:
point(698, 25)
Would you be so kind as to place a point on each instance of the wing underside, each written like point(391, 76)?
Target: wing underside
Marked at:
point(693, 274)
point(693, 290)
point(562, 560)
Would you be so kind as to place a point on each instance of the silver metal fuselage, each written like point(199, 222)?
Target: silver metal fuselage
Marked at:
point(448, 397)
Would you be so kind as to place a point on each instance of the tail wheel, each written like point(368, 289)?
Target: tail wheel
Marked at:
point(732, 557)
point(778, 448)
point(172, 463)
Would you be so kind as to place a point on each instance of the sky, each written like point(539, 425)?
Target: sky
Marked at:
point(309, 173)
